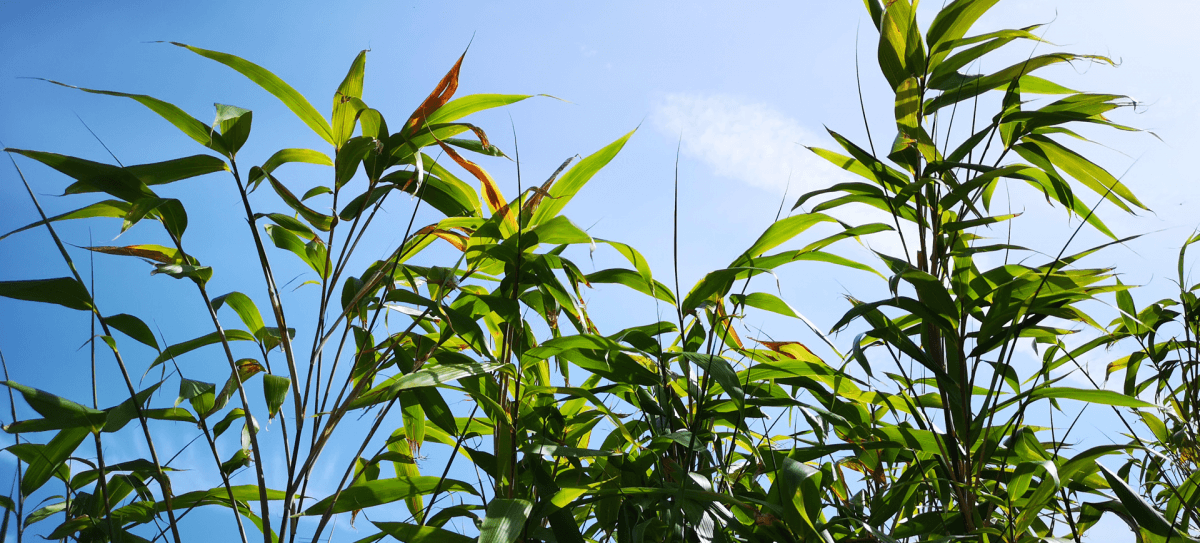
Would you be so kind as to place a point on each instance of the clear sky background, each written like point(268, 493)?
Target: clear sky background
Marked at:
point(740, 86)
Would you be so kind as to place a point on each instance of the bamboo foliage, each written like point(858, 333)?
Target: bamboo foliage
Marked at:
point(663, 431)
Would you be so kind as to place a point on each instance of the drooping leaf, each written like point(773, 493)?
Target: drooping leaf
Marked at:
point(245, 309)
point(286, 156)
point(1146, 516)
point(275, 388)
point(132, 327)
point(234, 123)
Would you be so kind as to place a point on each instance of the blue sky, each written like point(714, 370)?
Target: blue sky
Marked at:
point(740, 86)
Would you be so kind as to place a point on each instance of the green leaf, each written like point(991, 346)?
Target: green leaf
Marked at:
point(244, 307)
point(170, 171)
point(1085, 171)
point(49, 458)
point(952, 23)
point(93, 176)
point(901, 54)
point(504, 521)
point(285, 239)
point(320, 221)
point(292, 224)
point(962, 88)
point(780, 232)
point(246, 368)
point(316, 191)
point(569, 184)
point(461, 107)
point(275, 389)
point(285, 156)
point(1147, 517)
point(64, 291)
point(1102, 397)
point(344, 110)
point(274, 85)
point(106, 208)
point(719, 369)
point(411, 533)
point(132, 327)
point(766, 302)
point(424, 377)
point(199, 274)
point(235, 126)
point(201, 395)
point(633, 280)
point(39, 515)
point(60, 411)
point(189, 125)
point(193, 344)
point(120, 415)
point(231, 417)
point(384, 491)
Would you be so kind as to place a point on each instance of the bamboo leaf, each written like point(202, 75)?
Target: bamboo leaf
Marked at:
point(1085, 171)
point(461, 107)
point(274, 85)
point(93, 176)
point(132, 327)
point(193, 344)
point(952, 23)
point(319, 221)
point(64, 291)
point(170, 171)
point(633, 280)
point(780, 232)
point(1146, 516)
point(275, 389)
point(504, 521)
point(286, 156)
point(411, 533)
point(49, 458)
point(106, 208)
point(384, 491)
point(344, 100)
point(569, 184)
point(156, 253)
point(245, 309)
point(1103, 397)
point(189, 125)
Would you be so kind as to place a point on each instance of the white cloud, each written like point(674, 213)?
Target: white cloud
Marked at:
point(745, 141)
point(765, 148)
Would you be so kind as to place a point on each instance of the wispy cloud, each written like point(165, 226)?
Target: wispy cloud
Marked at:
point(760, 146)
point(745, 141)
